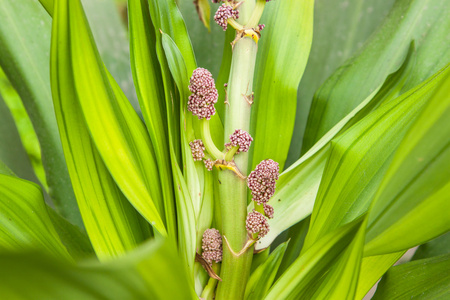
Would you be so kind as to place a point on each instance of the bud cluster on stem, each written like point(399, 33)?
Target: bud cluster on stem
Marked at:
point(239, 229)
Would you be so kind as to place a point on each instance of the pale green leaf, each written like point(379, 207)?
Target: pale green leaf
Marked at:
point(414, 194)
point(421, 279)
point(281, 60)
point(111, 222)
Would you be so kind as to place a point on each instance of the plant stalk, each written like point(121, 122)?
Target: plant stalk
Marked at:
point(235, 270)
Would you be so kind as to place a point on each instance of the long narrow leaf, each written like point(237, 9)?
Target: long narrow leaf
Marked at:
point(101, 202)
point(280, 64)
point(126, 152)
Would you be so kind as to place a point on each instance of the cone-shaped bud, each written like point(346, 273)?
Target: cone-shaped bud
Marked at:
point(240, 138)
point(268, 211)
point(262, 180)
point(224, 13)
point(204, 94)
point(257, 223)
point(212, 245)
point(197, 149)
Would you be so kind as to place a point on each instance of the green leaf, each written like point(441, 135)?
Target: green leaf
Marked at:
point(296, 236)
point(101, 202)
point(372, 268)
point(24, 220)
point(298, 185)
point(414, 194)
point(116, 130)
point(111, 38)
point(438, 246)
point(204, 12)
point(149, 88)
point(24, 127)
point(340, 29)
point(24, 52)
point(360, 157)
point(383, 53)
point(150, 272)
point(421, 279)
point(312, 264)
point(280, 64)
point(341, 280)
point(262, 278)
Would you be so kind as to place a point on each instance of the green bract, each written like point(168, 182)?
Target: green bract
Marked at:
point(100, 196)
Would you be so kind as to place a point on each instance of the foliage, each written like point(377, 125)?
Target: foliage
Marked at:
point(350, 98)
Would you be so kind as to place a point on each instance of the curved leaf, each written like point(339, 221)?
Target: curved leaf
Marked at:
point(116, 130)
point(24, 51)
point(24, 220)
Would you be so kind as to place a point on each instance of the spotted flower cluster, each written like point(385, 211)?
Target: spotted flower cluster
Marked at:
point(209, 164)
point(212, 245)
point(257, 223)
point(268, 211)
point(204, 94)
point(240, 138)
point(262, 181)
point(197, 149)
point(224, 13)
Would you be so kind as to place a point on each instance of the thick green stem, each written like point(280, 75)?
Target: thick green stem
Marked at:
point(233, 190)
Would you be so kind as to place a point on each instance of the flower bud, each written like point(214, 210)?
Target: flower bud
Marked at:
point(224, 13)
point(262, 180)
point(197, 149)
point(204, 94)
point(268, 211)
point(209, 164)
point(257, 223)
point(240, 138)
point(212, 245)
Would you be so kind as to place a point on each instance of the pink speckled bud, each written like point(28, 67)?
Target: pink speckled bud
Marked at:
point(224, 13)
point(197, 149)
point(262, 180)
point(204, 94)
point(240, 138)
point(209, 164)
point(257, 223)
point(268, 211)
point(260, 27)
point(212, 245)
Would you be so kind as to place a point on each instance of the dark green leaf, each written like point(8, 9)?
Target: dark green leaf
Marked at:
point(421, 279)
